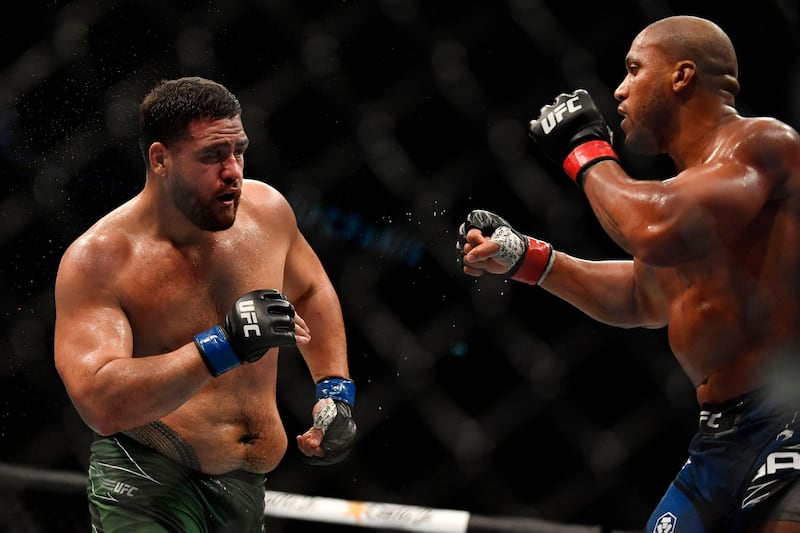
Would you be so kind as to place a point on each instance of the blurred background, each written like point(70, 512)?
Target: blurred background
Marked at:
point(383, 122)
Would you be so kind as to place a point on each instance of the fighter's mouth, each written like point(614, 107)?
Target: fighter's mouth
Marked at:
point(228, 197)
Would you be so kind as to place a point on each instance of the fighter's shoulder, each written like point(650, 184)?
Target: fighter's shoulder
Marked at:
point(771, 130)
point(102, 248)
point(765, 142)
point(265, 198)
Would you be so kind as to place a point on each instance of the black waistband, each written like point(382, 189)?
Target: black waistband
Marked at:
point(241, 475)
point(721, 418)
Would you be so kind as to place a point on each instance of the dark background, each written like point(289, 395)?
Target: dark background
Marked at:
point(383, 122)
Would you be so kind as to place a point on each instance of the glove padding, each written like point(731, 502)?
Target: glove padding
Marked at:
point(335, 420)
point(528, 259)
point(573, 133)
point(513, 244)
point(260, 320)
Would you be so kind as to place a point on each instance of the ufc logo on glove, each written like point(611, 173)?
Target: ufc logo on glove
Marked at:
point(248, 332)
point(247, 310)
point(557, 115)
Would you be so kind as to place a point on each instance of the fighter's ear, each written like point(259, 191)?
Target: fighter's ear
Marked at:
point(683, 75)
point(157, 154)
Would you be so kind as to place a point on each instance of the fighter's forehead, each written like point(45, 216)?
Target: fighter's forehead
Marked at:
point(217, 130)
point(644, 46)
point(644, 39)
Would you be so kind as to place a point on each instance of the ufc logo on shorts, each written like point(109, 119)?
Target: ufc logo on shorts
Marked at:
point(247, 311)
point(557, 115)
point(718, 423)
point(124, 488)
point(710, 419)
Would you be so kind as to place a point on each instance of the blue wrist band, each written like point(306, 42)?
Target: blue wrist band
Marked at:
point(338, 389)
point(217, 353)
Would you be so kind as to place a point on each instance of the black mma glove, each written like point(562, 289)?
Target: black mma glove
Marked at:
point(259, 320)
point(573, 133)
point(529, 259)
point(335, 420)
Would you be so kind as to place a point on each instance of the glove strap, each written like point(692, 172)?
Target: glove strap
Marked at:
point(337, 389)
point(215, 350)
point(536, 263)
point(585, 155)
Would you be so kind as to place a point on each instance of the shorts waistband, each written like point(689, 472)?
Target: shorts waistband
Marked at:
point(721, 418)
point(241, 475)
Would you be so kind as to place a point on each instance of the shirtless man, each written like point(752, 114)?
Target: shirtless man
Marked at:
point(715, 258)
point(170, 311)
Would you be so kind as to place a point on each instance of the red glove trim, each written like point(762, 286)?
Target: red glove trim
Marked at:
point(536, 263)
point(586, 154)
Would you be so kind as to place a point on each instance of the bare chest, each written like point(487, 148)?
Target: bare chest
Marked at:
point(169, 295)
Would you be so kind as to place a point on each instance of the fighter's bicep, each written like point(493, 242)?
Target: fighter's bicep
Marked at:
point(91, 328)
point(719, 199)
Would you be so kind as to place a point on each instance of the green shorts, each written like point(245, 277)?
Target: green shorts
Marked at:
point(134, 488)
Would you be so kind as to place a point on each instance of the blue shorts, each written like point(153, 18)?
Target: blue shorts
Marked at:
point(132, 487)
point(742, 464)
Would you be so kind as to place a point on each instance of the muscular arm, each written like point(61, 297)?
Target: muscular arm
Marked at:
point(623, 293)
point(310, 290)
point(306, 285)
point(112, 390)
point(314, 297)
point(620, 293)
point(660, 223)
point(666, 223)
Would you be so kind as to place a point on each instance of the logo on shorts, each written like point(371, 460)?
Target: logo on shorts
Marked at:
point(665, 523)
point(777, 469)
point(718, 423)
point(118, 487)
